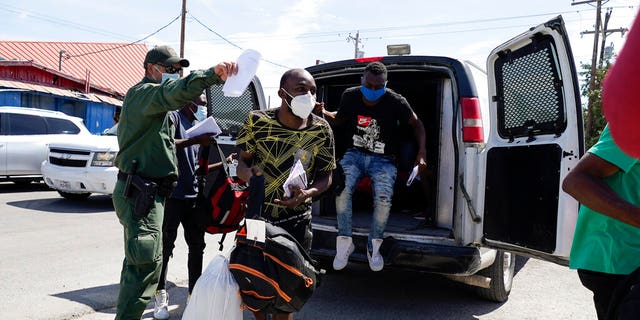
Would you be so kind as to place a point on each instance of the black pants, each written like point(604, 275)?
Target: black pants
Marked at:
point(182, 211)
point(602, 285)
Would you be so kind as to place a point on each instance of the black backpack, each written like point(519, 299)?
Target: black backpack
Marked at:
point(277, 275)
point(222, 209)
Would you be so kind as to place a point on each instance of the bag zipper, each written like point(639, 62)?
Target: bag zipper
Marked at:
point(307, 281)
point(257, 295)
point(261, 276)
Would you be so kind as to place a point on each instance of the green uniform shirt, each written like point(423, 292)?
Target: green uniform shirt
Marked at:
point(276, 148)
point(145, 132)
point(601, 243)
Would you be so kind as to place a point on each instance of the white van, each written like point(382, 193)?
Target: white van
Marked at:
point(498, 150)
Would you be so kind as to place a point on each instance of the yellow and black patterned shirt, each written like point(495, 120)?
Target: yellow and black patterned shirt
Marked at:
point(276, 148)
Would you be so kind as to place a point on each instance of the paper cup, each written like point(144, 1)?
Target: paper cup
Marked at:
point(248, 63)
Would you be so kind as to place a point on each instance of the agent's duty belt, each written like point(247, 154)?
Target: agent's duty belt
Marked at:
point(165, 186)
point(143, 190)
point(122, 176)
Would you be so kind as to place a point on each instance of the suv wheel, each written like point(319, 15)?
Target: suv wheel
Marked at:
point(74, 196)
point(501, 273)
point(22, 182)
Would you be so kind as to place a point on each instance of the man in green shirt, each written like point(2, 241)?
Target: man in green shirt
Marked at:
point(146, 138)
point(606, 243)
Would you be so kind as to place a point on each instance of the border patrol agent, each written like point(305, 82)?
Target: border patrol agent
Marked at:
point(148, 169)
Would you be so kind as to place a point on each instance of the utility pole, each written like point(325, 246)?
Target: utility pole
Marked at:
point(589, 126)
point(594, 57)
point(184, 13)
point(356, 41)
point(62, 52)
point(604, 36)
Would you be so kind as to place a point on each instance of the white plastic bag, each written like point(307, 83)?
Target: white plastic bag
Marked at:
point(215, 295)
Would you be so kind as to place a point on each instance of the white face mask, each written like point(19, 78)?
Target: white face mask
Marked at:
point(302, 105)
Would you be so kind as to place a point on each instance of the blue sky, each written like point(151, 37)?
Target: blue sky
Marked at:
point(297, 33)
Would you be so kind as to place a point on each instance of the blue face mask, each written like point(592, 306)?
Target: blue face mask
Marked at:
point(169, 76)
point(371, 94)
point(200, 114)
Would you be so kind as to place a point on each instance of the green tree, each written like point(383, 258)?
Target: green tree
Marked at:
point(596, 96)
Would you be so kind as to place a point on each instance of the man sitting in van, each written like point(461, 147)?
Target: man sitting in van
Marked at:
point(371, 115)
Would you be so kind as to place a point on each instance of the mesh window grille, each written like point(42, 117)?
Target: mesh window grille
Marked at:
point(229, 112)
point(530, 99)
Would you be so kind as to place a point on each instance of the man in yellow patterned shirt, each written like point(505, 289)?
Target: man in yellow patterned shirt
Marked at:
point(273, 141)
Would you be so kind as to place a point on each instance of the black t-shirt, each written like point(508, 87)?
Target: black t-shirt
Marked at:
point(375, 128)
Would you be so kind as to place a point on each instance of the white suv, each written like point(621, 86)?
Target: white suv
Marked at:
point(25, 134)
point(83, 166)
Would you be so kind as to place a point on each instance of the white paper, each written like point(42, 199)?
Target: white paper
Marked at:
point(256, 230)
point(297, 178)
point(248, 63)
point(207, 125)
point(413, 175)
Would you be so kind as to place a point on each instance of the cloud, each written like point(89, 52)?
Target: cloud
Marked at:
point(279, 44)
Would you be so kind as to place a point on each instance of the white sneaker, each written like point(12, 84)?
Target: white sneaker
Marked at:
point(161, 308)
point(344, 248)
point(376, 262)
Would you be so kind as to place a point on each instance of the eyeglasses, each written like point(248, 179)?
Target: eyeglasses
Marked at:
point(170, 69)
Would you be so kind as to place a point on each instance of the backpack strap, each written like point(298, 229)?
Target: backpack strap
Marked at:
point(223, 159)
point(256, 197)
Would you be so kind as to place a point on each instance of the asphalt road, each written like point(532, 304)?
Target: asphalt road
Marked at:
point(61, 259)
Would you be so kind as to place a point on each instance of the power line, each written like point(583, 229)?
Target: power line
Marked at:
point(309, 35)
point(519, 26)
point(430, 25)
point(233, 44)
point(124, 45)
point(214, 32)
point(58, 21)
point(90, 29)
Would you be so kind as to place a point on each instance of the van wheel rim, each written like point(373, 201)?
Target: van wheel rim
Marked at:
point(507, 261)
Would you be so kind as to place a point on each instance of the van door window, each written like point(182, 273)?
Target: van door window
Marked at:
point(529, 91)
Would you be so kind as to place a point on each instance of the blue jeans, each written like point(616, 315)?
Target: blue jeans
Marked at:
point(382, 172)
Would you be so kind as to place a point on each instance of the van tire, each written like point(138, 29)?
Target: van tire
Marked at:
point(501, 273)
point(74, 196)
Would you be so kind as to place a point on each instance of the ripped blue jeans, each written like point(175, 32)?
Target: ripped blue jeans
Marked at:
point(382, 172)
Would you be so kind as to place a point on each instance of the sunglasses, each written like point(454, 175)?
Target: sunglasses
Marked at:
point(171, 69)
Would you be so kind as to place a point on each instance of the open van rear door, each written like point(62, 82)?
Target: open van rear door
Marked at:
point(535, 139)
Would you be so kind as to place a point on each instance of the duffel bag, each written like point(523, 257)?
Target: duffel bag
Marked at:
point(274, 275)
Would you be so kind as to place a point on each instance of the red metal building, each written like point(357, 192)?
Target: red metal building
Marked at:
point(88, 80)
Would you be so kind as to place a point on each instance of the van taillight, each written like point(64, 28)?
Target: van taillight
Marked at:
point(368, 59)
point(471, 120)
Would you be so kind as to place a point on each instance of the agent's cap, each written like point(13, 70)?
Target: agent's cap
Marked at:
point(166, 56)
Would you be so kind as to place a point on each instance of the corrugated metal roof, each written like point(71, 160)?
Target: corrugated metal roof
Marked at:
point(7, 85)
point(117, 66)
